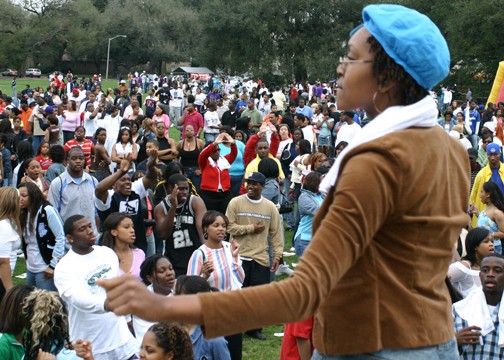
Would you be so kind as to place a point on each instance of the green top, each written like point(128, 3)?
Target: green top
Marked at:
point(255, 115)
point(10, 348)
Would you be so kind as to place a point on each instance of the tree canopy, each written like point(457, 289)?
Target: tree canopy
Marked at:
point(278, 41)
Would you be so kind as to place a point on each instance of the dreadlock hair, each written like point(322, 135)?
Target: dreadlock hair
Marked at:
point(173, 339)
point(386, 69)
point(46, 323)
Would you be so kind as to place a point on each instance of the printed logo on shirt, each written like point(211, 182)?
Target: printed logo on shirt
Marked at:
point(181, 239)
point(254, 215)
point(129, 207)
point(183, 219)
point(98, 273)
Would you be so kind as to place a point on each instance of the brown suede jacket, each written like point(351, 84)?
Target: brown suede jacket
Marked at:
point(374, 272)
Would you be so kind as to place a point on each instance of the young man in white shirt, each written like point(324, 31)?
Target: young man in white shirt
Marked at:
point(176, 97)
point(75, 278)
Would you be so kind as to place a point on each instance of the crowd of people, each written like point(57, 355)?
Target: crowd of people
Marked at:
point(190, 188)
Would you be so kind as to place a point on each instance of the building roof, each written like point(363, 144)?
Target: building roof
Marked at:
point(193, 70)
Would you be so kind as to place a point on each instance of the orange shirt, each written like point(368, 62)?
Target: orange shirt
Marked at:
point(24, 116)
point(267, 119)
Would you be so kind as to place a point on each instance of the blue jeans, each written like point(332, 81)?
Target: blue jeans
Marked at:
point(210, 137)
point(195, 179)
point(288, 216)
point(446, 351)
point(474, 140)
point(300, 246)
point(36, 140)
point(236, 182)
point(39, 281)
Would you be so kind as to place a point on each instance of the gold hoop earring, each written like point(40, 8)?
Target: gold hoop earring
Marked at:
point(374, 103)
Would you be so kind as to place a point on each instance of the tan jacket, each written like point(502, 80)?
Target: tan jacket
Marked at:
point(383, 238)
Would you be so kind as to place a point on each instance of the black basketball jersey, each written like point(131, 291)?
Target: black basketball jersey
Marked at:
point(184, 238)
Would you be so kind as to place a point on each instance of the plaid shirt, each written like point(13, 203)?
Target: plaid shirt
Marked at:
point(490, 349)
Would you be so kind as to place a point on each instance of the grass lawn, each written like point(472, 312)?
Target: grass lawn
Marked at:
point(252, 349)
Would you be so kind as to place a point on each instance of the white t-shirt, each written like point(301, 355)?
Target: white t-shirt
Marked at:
point(308, 133)
point(199, 99)
point(140, 325)
point(90, 125)
point(10, 242)
point(211, 119)
point(75, 278)
point(137, 186)
point(124, 151)
point(177, 96)
point(347, 132)
point(35, 262)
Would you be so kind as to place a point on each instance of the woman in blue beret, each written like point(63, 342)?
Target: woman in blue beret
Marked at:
point(374, 272)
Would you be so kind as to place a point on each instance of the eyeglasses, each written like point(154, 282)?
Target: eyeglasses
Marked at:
point(344, 61)
point(487, 142)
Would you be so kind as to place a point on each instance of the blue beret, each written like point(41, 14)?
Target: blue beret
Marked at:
point(411, 39)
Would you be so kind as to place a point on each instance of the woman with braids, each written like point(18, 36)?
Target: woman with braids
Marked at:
point(464, 274)
point(166, 341)
point(43, 236)
point(158, 275)
point(383, 238)
point(492, 218)
point(46, 324)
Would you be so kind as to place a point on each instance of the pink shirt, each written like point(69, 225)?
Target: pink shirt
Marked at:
point(71, 121)
point(138, 259)
point(164, 118)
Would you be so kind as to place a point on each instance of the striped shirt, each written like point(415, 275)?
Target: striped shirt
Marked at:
point(87, 146)
point(490, 348)
point(227, 271)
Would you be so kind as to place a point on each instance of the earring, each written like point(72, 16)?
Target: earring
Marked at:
point(205, 235)
point(374, 103)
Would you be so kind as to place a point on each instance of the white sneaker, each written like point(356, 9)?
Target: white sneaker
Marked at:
point(292, 249)
point(284, 269)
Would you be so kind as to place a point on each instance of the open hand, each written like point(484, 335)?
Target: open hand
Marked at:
point(173, 197)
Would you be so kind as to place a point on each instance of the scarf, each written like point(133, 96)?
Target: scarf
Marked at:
point(474, 310)
point(221, 163)
point(420, 114)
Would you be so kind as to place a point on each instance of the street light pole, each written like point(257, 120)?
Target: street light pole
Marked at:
point(108, 52)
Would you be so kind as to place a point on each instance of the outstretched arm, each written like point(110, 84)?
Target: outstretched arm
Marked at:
point(151, 174)
point(101, 191)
